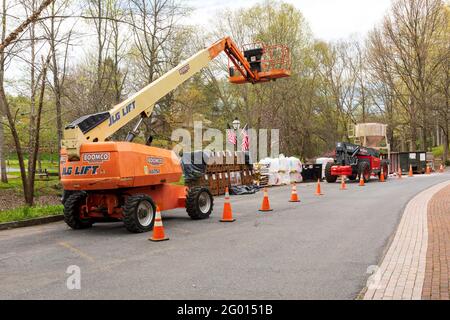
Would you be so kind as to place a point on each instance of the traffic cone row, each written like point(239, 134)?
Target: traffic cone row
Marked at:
point(265, 206)
point(294, 194)
point(382, 179)
point(318, 189)
point(158, 228)
point(343, 185)
point(227, 215)
point(361, 181)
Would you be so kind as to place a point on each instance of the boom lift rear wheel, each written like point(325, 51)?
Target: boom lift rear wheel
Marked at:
point(72, 211)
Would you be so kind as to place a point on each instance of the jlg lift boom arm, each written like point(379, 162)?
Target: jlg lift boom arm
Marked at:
point(100, 126)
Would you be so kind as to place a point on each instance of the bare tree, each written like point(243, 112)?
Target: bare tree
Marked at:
point(31, 19)
point(3, 172)
point(59, 40)
point(407, 39)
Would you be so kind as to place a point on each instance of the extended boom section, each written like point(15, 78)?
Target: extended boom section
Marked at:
point(98, 127)
point(109, 181)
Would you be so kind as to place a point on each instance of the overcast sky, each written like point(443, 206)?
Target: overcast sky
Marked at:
point(328, 19)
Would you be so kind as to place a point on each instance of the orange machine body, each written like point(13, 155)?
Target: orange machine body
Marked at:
point(110, 171)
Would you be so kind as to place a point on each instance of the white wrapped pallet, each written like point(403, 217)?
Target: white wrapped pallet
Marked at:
point(283, 164)
point(323, 162)
point(295, 165)
point(274, 165)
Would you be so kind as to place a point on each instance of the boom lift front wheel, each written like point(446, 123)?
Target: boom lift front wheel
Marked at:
point(139, 213)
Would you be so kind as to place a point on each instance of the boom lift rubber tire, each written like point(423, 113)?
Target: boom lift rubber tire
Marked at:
point(139, 213)
point(364, 171)
point(328, 176)
point(72, 208)
point(66, 194)
point(199, 203)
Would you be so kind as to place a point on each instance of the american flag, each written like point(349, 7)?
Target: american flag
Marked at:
point(245, 146)
point(231, 135)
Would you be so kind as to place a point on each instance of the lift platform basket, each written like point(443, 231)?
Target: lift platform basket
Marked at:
point(267, 62)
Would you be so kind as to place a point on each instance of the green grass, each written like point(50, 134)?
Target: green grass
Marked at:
point(42, 187)
point(25, 213)
point(438, 151)
point(45, 164)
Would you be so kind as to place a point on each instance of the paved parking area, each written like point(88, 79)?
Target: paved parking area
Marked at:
point(320, 248)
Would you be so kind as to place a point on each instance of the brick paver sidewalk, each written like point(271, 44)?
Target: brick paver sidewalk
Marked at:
point(436, 284)
point(416, 263)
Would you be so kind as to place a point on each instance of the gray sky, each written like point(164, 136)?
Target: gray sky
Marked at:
point(328, 19)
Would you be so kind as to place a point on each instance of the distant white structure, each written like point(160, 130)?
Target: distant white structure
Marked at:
point(372, 135)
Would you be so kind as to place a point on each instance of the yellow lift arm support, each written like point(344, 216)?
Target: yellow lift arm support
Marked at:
point(98, 127)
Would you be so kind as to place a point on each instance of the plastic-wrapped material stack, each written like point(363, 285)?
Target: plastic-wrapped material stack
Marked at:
point(281, 170)
point(295, 169)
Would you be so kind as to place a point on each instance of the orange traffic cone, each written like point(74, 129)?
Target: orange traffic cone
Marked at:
point(294, 195)
point(428, 170)
point(265, 204)
point(343, 185)
point(410, 173)
point(399, 174)
point(361, 181)
point(158, 229)
point(227, 215)
point(382, 175)
point(318, 189)
point(441, 168)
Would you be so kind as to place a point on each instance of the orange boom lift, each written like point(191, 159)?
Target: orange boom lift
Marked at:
point(124, 181)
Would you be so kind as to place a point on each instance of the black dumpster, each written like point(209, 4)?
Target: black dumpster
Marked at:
point(416, 159)
point(311, 172)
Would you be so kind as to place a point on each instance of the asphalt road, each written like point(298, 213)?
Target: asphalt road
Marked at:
point(317, 249)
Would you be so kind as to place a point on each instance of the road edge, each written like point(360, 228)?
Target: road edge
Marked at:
point(31, 222)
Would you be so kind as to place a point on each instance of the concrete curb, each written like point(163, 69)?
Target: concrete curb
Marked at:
point(31, 222)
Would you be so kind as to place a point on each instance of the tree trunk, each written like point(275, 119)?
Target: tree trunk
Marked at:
point(446, 142)
point(15, 135)
point(34, 152)
point(4, 176)
point(56, 82)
